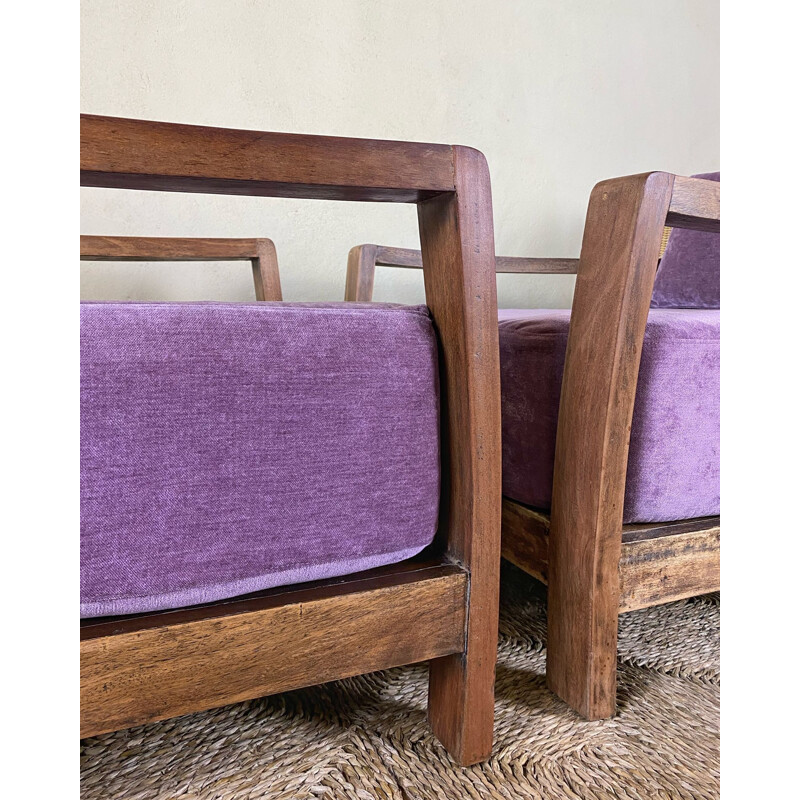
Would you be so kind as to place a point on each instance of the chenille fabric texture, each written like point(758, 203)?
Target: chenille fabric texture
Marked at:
point(230, 448)
point(673, 463)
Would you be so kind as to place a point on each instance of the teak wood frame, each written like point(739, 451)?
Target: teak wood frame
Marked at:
point(259, 252)
point(362, 260)
point(151, 667)
point(596, 567)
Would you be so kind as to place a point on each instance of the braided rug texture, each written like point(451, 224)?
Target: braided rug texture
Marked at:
point(367, 737)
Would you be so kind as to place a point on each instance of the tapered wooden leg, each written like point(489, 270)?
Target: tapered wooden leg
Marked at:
point(618, 263)
point(461, 706)
point(582, 644)
point(463, 300)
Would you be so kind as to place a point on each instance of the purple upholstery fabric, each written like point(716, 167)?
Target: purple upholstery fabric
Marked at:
point(673, 466)
point(688, 276)
point(228, 448)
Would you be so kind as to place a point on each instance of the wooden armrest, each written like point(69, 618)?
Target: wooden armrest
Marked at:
point(259, 252)
point(364, 258)
point(140, 154)
point(403, 257)
point(451, 186)
point(169, 248)
point(694, 204)
point(619, 256)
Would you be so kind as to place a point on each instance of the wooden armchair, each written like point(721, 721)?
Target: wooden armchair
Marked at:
point(259, 252)
point(441, 606)
point(595, 566)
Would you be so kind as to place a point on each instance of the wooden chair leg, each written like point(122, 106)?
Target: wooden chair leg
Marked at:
point(619, 256)
point(462, 298)
point(582, 648)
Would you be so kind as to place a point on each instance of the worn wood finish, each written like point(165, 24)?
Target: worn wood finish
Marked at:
point(659, 562)
point(627, 221)
point(422, 565)
point(666, 568)
point(283, 649)
point(260, 253)
point(279, 643)
point(140, 154)
point(364, 258)
point(619, 257)
point(642, 531)
point(597, 568)
point(538, 521)
point(694, 204)
point(525, 538)
point(457, 237)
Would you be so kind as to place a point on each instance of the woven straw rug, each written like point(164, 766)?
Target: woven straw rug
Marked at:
point(367, 738)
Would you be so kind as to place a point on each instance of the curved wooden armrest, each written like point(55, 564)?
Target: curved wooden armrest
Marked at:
point(260, 253)
point(619, 256)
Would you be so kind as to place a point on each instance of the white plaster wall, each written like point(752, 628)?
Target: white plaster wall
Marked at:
point(557, 93)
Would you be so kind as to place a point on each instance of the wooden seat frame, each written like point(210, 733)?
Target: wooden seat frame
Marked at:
point(595, 566)
point(442, 607)
point(260, 253)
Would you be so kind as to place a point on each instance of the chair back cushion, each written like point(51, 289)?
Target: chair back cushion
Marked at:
point(688, 275)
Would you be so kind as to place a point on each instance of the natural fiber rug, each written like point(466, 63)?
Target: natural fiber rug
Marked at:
point(367, 737)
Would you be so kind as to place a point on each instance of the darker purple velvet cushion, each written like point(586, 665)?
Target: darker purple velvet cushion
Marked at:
point(673, 465)
point(228, 448)
point(688, 275)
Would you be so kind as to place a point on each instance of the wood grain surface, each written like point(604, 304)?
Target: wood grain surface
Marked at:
point(619, 257)
point(141, 154)
point(457, 237)
point(158, 671)
point(179, 666)
point(260, 253)
point(364, 258)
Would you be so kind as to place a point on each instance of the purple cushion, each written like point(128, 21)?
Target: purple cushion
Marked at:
point(229, 448)
point(688, 275)
point(673, 466)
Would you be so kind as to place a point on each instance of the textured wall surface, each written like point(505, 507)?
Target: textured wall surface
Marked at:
point(558, 95)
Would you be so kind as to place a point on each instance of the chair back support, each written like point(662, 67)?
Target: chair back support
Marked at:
point(688, 275)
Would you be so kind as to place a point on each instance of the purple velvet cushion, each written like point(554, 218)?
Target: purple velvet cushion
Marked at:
point(688, 275)
point(673, 465)
point(228, 448)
